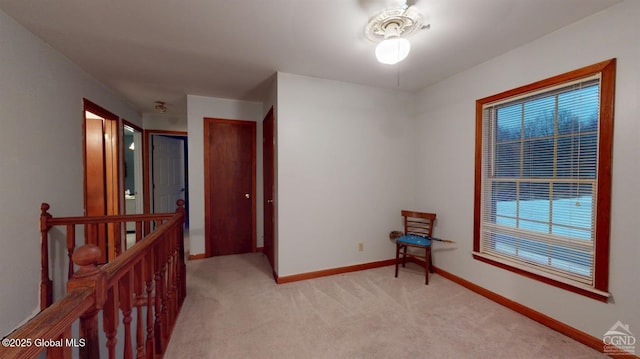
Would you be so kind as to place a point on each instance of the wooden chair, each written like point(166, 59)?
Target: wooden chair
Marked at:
point(418, 227)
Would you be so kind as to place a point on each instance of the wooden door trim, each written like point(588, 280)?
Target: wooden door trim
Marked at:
point(207, 186)
point(270, 249)
point(111, 181)
point(114, 207)
point(143, 145)
point(135, 127)
point(146, 162)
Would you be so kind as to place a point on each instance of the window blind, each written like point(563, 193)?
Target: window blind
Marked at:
point(539, 179)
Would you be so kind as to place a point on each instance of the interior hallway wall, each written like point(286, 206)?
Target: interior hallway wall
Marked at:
point(40, 157)
point(345, 170)
point(446, 122)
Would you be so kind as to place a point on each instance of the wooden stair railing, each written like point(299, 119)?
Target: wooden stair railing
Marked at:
point(114, 226)
point(148, 278)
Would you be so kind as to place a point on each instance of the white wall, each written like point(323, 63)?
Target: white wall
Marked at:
point(41, 113)
point(344, 172)
point(199, 107)
point(165, 122)
point(446, 121)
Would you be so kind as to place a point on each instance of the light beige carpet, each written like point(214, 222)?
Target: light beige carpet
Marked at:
point(234, 309)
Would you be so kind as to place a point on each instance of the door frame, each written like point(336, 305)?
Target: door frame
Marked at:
point(269, 194)
point(110, 177)
point(111, 152)
point(146, 164)
point(207, 185)
point(141, 191)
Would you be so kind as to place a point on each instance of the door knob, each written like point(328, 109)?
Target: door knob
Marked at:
point(247, 195)
point(269, 201)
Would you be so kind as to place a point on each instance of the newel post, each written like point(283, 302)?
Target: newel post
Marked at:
point(89, 275)
point(46, 286)
point(182, 276)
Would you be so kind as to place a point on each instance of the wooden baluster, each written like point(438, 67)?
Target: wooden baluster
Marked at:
point(177, 281)
point(126, 297)
point(46, 286)
point(170, 283)
point(63, 352)
point(147, 227)
point(176, 272)
point(157, 303)
point(165, 293)
point(110, 321)
point(183, 266)
point(88, 275)
point(148, 276)
point(159, 290)
point(110, 242)
point(116, 238)
point(138, 287)
point(71, 246)
point(174, 277)
point(138, 231)
point(91, 234)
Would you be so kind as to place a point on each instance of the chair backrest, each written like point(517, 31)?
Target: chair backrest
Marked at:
point(418, 223)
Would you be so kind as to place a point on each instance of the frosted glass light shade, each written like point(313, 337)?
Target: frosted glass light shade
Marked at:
point(392, 50)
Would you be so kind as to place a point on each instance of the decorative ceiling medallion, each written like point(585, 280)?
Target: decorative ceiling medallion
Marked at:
point(406, 20)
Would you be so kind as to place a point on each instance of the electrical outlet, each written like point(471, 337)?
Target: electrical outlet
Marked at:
point(360, 247)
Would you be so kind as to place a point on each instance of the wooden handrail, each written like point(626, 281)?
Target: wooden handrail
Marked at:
point(148, 278)
point(50, 324)
point(114, 269)
point(59, 221)
point(92, 224)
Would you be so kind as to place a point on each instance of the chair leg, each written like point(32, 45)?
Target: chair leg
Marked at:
point(427, 262)
point(397, 257)
point(404, 256)
point(430, 262)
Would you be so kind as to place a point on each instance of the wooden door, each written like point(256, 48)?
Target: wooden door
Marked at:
point(101, 178)
point(268, 152)
point(168, 173)
point(230, 182)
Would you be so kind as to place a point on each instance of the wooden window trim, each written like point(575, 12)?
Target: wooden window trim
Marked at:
point(607, 70)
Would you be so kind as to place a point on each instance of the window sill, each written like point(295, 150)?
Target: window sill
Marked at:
point(545, 277)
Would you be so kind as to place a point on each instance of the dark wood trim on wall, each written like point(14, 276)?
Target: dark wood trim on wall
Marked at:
point(111, 129)
point(333, 271)
point(605, 161)
point(571, 332)
point(193, 257)
point(534, 276)
point(565, 329)
point(122, 154)
point(607, 70)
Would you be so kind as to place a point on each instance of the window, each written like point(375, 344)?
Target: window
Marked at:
point(543, 179)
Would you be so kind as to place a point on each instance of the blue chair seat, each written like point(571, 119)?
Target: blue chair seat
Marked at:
point(418, 227)
point(414, 240)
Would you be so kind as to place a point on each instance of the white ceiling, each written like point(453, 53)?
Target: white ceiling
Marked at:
point(161, 50)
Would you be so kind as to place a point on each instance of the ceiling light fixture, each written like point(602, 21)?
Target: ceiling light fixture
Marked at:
point(393, 48)
point(390, 28)
point(160, 107)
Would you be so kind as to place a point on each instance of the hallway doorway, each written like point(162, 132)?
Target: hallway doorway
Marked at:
point(230, 186)
point(101, 175)
point(166, 175)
